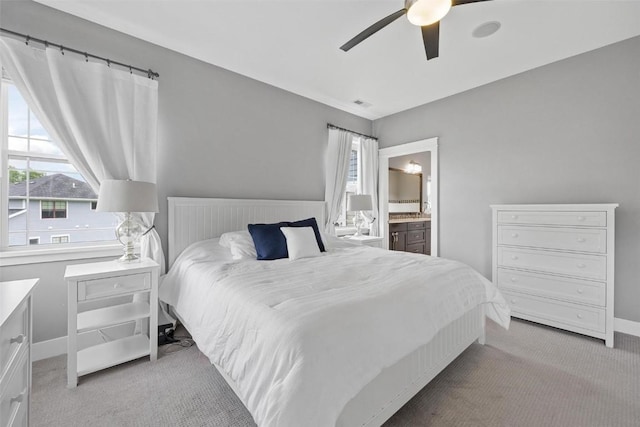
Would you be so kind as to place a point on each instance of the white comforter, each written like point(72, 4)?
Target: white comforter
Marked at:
point(301, 338)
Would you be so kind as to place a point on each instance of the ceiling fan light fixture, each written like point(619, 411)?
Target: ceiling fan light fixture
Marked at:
point(426, 12)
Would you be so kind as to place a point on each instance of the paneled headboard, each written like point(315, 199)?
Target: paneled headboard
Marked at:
point(195, 219)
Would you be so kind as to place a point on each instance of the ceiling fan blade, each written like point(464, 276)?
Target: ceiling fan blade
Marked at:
point(373, 29)
point(431, 39)
point(459, 2)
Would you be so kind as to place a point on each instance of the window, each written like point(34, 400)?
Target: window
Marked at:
point(345, 220)
point(39, 185)
point(53, 209)
point(64, 238)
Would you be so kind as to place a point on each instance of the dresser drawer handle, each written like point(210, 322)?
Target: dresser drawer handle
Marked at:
point(514, 235)
point(513, 300)
point(514, 216)
point(19, 398)
point(581, 239)
point(579, 316)
point(19, 339)
point(513, 279)
point(581, 218)
point(581, 265)
point(514, 257)
point(116, 285)
point(580, 290)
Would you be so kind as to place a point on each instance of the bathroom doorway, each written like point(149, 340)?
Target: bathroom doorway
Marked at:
point(394, 156)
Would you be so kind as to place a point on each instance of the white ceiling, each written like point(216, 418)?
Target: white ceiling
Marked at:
point(294, 44)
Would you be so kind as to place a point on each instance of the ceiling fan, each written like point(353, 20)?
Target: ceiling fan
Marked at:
point(423, 13)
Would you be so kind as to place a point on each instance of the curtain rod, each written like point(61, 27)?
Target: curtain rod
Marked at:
point(330, 126)
point(150, 73)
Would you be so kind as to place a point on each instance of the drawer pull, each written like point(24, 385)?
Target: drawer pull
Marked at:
point(514, 235)
point(19, 398)
point(513, 279)
point(514, 216)
point(116, 285)
point(581, 239)
point(514, 257)
point(19, 339)
point(581, 218)
point(513, 300)
point(579, 316)
point(581, 265)
point(580, 290)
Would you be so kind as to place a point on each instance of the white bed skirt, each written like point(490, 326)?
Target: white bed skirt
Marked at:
point(396, 385)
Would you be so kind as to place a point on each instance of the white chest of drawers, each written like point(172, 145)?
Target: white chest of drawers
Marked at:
point(555, 264)
point(15, 351)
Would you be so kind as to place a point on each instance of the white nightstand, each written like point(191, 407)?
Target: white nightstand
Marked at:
point(105, 281)
point(373, 241)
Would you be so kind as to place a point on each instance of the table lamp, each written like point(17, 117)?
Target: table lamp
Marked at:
point(127, 196)
point(359, 203)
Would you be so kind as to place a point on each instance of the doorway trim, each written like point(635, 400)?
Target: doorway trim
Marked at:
point(384, 154)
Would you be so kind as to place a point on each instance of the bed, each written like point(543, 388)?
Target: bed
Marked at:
point(319, 341)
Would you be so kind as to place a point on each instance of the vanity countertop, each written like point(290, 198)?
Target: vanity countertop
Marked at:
point(401, 220)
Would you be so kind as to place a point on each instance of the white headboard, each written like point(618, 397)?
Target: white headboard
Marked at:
point(195, 219)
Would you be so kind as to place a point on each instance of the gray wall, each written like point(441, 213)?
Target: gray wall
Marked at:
point(220, 134)
point(568, 132)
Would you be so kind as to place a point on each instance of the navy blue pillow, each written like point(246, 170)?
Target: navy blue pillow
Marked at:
point(269, 241)
point(310, 222)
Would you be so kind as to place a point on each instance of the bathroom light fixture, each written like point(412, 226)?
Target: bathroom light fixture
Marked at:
point(413, 168)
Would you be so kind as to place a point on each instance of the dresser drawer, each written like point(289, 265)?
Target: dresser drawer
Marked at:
point(14, 336)
point(14, 393)
point(416, 248)
point(110, 286)
point(572, 239)
point(415, 236)
point(580, 219)
point(556, 313)
point(579, 265)
point(418, 225)
point(573, 290)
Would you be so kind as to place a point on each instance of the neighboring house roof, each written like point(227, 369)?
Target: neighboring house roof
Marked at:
point(57, 186)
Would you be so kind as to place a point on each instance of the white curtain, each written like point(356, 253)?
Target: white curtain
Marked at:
point(368, 182)
point(337, 167)
point(104, 119)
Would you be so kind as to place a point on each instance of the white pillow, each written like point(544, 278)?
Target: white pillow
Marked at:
point(301, 242)
point(240, 243)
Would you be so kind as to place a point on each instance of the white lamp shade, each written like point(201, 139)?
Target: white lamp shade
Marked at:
point(359, 202)
point(127, 196)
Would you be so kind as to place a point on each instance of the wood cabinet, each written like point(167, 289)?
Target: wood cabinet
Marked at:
point(412, 237)
point(15, 351)
point(554, 265)
point(106, 281)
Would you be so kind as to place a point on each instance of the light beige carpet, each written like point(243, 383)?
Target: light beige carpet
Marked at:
point(529, 376)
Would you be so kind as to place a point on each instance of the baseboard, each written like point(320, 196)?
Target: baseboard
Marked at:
point(626, 326)
point(50, 348)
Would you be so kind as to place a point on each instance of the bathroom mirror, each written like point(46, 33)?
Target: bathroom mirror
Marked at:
point(405, 191)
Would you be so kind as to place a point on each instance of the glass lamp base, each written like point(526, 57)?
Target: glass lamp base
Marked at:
point(128, 233)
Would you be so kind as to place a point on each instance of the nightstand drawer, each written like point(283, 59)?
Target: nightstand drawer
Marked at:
point(14, 396)
point(14, 335)
point(580, 219)
point(110, 286)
